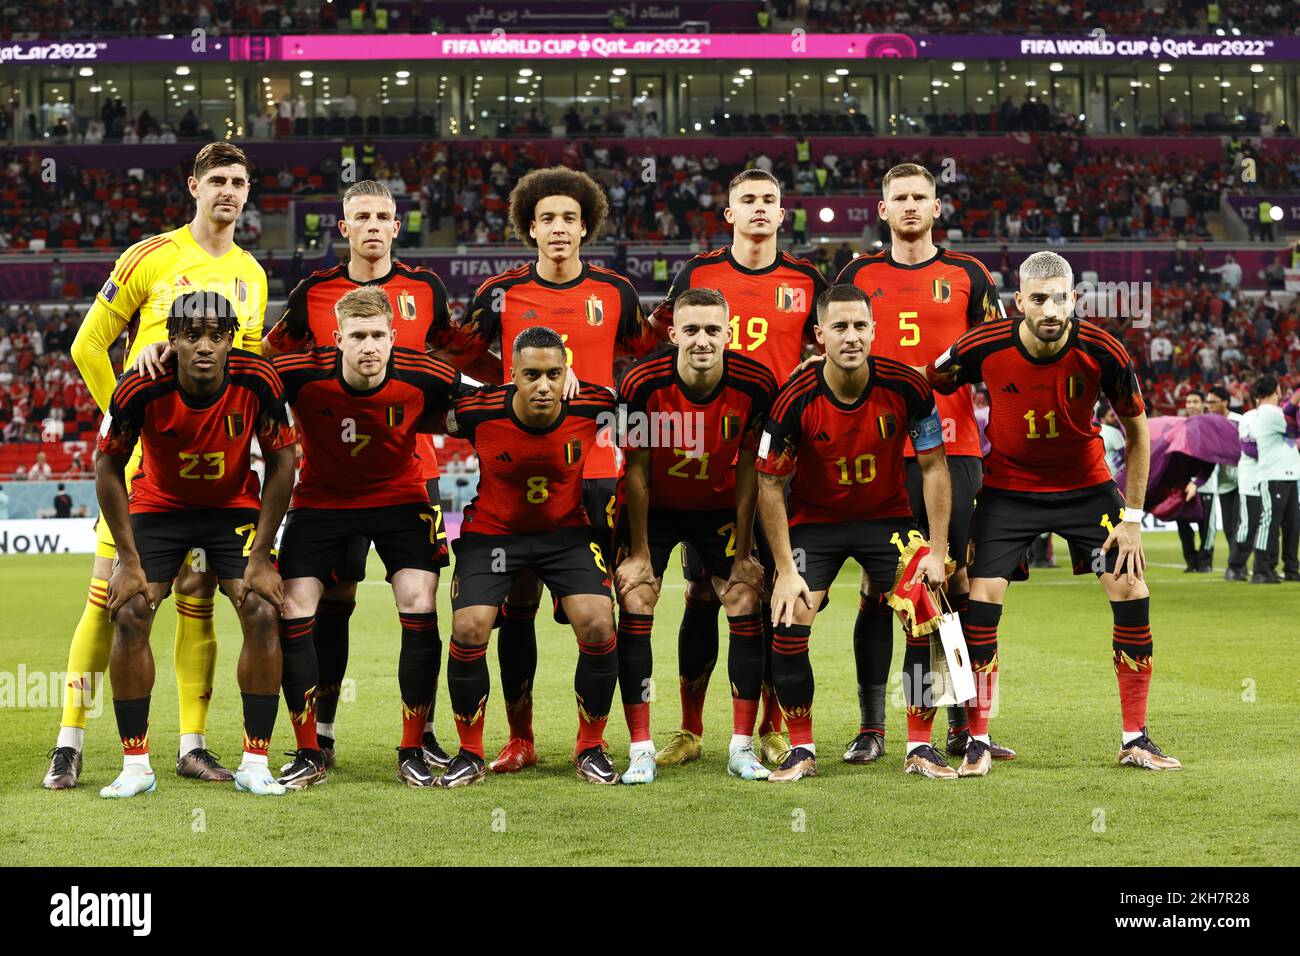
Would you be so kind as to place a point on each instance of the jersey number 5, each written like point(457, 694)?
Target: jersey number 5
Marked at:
point(912, 331)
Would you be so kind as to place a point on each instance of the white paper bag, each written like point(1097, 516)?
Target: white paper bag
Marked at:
point(952, 680)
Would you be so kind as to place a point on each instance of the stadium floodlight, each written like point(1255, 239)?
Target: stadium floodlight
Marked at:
point(1166, 67)
point(307, 75)
point(525, 71)
point(826, 214)
point(619, 71)
point(403, 74)
point(841, 72)
point(86, 71)
point(182, 71)
point(958, 67)
point(1275, 213)
point(746, 71)
point(1257, 68)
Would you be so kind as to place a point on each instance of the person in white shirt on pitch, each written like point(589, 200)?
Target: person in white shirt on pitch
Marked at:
point(1279, 470)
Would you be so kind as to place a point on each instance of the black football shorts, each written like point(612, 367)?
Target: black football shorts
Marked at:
point(1007, 522)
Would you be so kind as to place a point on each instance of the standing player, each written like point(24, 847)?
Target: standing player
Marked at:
point(690, 414)
point(529, 515)
point(422, 322)
point(840, 428)
point(771, 295)
point(419, 301)
point(594, 310)
point(923, 298)
point(358, 407)
point(137, 299)
point(1046, 472)
point(194, 427)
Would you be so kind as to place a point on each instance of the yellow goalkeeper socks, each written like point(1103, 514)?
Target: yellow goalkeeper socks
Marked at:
point(196, 661)
point(92, 642)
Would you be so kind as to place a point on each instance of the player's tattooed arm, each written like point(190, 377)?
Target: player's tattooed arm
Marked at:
point(636, 570)
point(936, 488)
point(1131, 560)
point(790, 586)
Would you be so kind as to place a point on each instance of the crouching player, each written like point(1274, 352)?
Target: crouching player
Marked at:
point(841, 427)
point(692, 421)
point(359, 407)
point(528, 515)
point(195, 492)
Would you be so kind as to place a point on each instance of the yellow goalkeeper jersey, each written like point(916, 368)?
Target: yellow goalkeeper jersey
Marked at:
point(139, 293)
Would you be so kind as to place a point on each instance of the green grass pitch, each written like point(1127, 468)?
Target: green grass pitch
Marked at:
point(1224, 700)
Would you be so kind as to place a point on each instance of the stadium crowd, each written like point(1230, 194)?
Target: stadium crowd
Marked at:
point(1250, 17)
point(1066, 191)
point(42, 396)
point(49, 18)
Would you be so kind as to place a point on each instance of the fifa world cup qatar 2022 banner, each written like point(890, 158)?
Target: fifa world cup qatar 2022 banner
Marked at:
point(662, 46)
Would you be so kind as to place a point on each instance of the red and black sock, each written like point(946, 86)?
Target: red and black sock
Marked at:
point(745, 670)
point(417, 672)
point(331, 638)
point(468, 685)
point(1133, 655)
point(770, 722)
point(979, 625)
point(873, 652)
point(133, 725)
point(792, 676)
point(916, 688)
point(259, 721)
point(299, 678)
point(635, 671)
point(697, 654)
point(593, 685)
point(958, 715)
point(517, 658)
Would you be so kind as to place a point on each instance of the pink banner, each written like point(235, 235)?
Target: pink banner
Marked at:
point(599, 46)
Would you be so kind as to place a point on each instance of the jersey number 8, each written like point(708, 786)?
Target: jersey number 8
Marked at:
point(537, 490)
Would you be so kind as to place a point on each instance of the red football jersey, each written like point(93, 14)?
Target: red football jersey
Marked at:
point(359, 447)
point(772, 309)
point(196, 454)
point(920, 310)
point(530, 479)
point(694, 469)
point(847, 459)
point(421, 318)
point(593, 313)
point(1041, 410)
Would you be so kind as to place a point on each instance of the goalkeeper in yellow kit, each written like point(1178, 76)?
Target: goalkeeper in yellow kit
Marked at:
point(136, 298)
